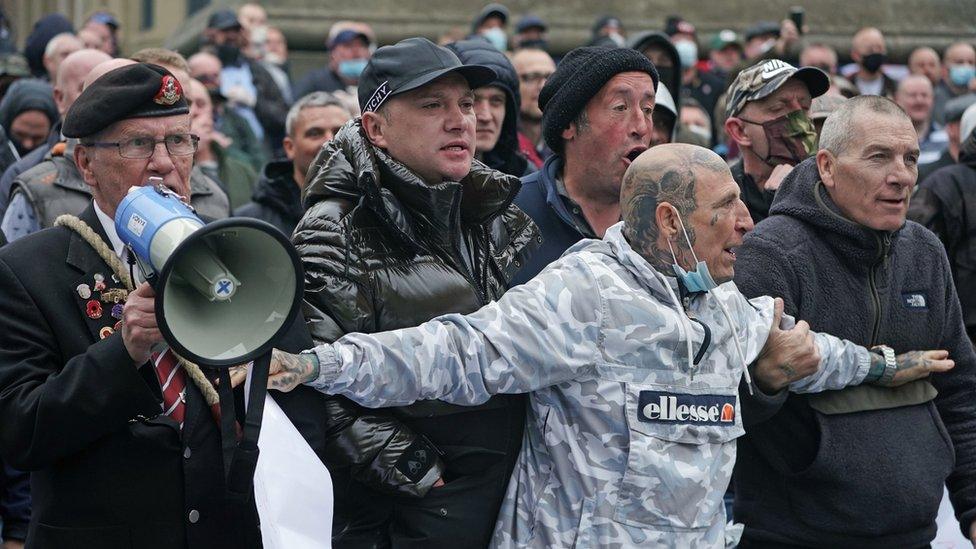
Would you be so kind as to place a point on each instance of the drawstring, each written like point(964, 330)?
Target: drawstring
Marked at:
point(735, 340)
point(687, 326)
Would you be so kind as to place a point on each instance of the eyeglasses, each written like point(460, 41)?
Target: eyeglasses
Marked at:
point(534, 77)
point(180, 144)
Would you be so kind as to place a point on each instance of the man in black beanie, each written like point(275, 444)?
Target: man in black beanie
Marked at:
point(596, 117)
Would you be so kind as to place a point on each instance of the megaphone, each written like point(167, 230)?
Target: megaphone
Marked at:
point(225, 291)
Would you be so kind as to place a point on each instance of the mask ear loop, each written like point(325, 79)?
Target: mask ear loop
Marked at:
point(688, 240)
point(684, 323)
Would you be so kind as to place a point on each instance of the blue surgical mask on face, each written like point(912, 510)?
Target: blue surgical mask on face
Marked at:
point(699, 280)
point(497, 37)
point(960, 75)
point(687, 53)
point(352, 68)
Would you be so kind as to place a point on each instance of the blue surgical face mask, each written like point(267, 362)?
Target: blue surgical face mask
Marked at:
point(700, 280)
point(352, 68)
point(687, 53)
point(960, 75)
point(497, 37)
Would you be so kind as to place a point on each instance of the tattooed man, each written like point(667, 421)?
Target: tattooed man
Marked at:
point(632, 356)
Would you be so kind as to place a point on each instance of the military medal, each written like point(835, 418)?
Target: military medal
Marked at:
point(105, 332)
point(114, 295)
point(99, 282)
point(117, 311)
point(84, 291)
point(94, 309)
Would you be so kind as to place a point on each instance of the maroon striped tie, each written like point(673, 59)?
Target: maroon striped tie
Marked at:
point(172, 380)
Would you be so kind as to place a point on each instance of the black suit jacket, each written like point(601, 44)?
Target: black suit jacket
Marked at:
point(107, 470)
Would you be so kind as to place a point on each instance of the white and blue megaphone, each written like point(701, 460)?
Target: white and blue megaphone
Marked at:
point(225, 291)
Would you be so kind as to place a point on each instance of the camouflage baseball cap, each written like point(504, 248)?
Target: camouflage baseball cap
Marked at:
point(762, 79)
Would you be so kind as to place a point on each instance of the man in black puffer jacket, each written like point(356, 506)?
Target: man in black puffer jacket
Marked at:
point(859, 467)
point(402, 226)
point(312, 121)
point(497, 136)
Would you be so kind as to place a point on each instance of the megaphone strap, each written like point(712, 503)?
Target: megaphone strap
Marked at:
point(108, 256)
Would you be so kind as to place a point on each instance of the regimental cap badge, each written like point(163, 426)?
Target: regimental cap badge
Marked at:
point(169, 92)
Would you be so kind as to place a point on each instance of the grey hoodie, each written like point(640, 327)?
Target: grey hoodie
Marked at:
point(863, 466)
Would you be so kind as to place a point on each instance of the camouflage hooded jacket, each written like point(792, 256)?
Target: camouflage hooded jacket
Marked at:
point(634, 412)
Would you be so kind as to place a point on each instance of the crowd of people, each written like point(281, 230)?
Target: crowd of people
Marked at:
point(664, 289)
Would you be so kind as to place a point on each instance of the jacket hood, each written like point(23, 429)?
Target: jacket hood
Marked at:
point(44, 30)
point(642, 40)
point(967, 151)
point(802, 195)
point(352, 168)
point(505, 156)
point(26, 95)
point(276, 189)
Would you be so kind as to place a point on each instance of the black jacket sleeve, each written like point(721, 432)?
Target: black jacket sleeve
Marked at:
point(14, 502)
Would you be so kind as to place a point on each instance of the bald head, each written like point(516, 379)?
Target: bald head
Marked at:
point(868, 40)
point(105, 67)
point(60, 47)
point(666, 173)
point(696, 184)
point(71, 76)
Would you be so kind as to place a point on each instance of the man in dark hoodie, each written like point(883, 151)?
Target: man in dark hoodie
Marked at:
point(946, 204)
point(27, 114)
point(859, 467)
point(496, 107)
point(312, 121)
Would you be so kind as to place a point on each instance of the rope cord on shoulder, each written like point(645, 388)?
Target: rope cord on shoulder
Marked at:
point(113, 261)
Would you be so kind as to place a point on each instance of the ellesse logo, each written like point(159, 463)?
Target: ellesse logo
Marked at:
point(661, 407)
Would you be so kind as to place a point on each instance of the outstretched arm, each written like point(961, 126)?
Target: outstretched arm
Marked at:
point(535, 336)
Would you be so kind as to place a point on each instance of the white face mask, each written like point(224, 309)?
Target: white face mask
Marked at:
point(687, 53)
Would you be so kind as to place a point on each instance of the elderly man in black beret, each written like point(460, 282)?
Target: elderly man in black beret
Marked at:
point(122, 442)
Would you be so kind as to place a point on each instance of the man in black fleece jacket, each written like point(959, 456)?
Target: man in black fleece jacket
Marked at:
point(312, 122)
point(859, 467)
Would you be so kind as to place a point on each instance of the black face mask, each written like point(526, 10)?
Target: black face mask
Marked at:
point(228, 54)
point(873, 61)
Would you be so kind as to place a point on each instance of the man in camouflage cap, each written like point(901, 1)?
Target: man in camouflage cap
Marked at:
point(633, 367)
point(121, 453)
point(767, 115)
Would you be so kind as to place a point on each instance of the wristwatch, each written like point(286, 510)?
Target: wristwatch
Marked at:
point(890, 366)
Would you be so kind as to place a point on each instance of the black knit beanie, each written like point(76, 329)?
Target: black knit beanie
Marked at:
point(579, 77)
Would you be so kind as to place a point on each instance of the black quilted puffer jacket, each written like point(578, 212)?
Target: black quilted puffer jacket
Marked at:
point(384, 250)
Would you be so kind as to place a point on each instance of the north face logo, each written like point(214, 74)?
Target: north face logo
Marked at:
point(661, 407)
point(914, 300)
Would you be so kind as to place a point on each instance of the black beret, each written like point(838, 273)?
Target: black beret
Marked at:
point(141, 90)
point(578, 77)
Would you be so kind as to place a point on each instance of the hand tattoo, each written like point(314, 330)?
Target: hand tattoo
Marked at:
point(293, 370)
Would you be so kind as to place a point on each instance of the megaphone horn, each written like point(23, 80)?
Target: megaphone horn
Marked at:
point(225, 291)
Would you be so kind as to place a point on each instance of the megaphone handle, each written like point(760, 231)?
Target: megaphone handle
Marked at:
point(241, 459)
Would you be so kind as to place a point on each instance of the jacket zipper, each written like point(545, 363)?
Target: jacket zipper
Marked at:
point(456, 255)
point(885, 245)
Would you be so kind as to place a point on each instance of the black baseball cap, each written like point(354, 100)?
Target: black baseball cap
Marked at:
point(410, 64)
